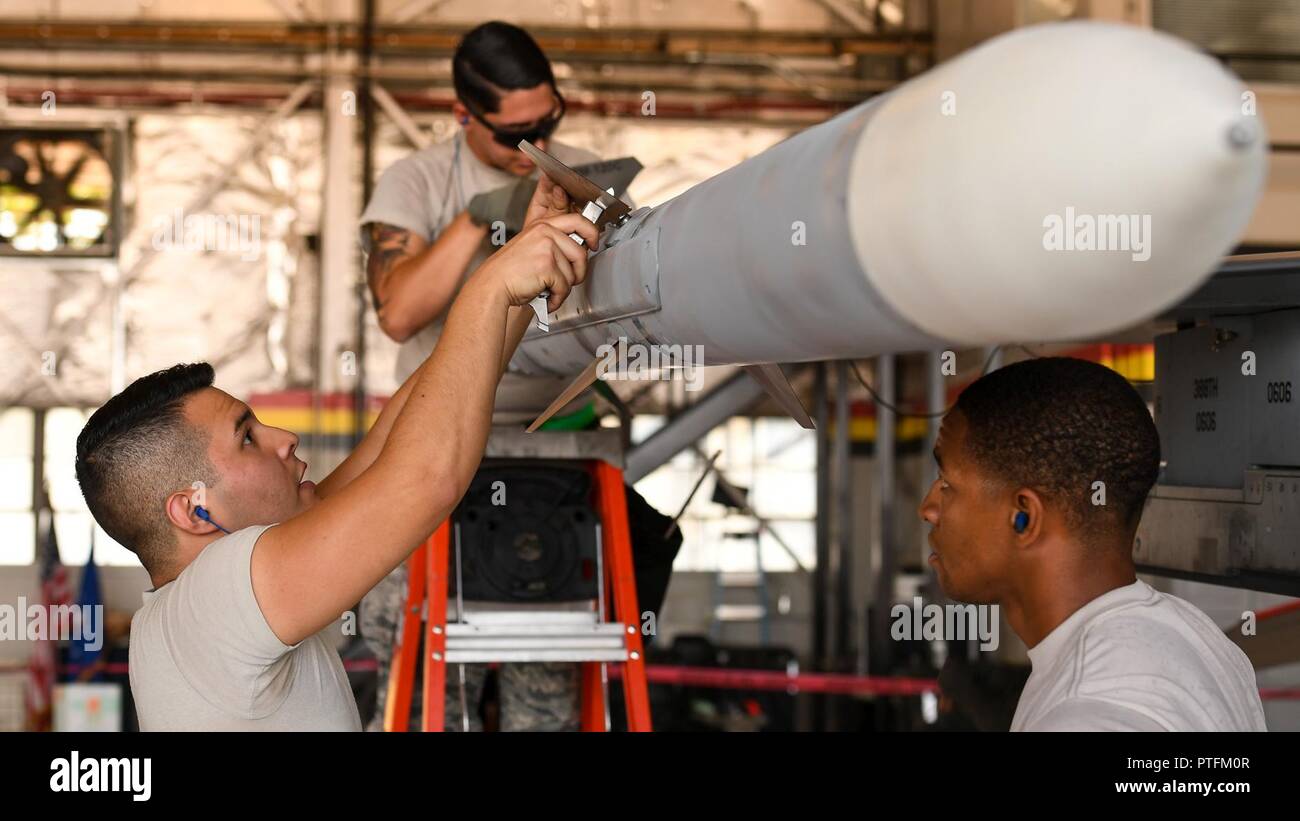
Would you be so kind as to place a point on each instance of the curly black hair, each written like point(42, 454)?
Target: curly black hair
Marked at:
point(138, 449)
point(1057, 425)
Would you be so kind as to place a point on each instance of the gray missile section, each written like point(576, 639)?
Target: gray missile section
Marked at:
point(720, 266)
point(895, 227)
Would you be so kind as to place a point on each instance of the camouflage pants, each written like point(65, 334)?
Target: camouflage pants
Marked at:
point(534, 697)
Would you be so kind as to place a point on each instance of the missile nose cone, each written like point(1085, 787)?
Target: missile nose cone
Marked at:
point(1057, 182)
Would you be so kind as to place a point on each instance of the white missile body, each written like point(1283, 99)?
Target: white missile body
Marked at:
point(1056, 183)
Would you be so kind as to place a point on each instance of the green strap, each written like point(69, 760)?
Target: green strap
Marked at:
point(580, 419)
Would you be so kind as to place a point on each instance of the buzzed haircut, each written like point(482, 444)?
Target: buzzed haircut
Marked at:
point(494, 58)
point(137, 450)
point(1057, 425)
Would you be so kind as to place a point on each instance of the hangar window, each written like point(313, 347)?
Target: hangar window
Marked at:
point(74, 528)
point(773, 462)
point(17, 525)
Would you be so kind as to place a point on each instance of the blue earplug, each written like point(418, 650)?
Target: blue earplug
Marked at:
point(207, 517)
point(1021, 521)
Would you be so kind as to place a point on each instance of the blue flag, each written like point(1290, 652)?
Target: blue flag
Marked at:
point(86, 651)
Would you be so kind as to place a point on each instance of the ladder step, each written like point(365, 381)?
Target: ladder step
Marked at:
point(521, 656)
point(552, 632)
point(740, 612)
point(525, 642)
point(740, 578)
point(549, 618)
point(536, 642)
point(583, 612)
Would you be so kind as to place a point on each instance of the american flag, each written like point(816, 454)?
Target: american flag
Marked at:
point(42, 667)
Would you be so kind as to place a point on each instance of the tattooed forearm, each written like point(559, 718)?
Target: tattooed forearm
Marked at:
point(389, 245)
point(413, 279)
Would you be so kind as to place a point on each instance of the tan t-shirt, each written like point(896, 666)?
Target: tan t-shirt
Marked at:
point(423, 193)
point(204, 658)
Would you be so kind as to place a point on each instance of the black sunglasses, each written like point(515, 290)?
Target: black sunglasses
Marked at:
point(511, 135)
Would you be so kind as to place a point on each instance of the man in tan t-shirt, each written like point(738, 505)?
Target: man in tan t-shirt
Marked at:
point(434, 217)
point(430, 221)
point(229, 638)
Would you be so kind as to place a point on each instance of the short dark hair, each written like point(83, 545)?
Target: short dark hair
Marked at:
point(135, 451)
point(1057, 425)
point(494, 58)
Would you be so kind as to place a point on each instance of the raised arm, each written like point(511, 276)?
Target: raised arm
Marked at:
point(364, 454)
point(308, 570)
point(549, 200)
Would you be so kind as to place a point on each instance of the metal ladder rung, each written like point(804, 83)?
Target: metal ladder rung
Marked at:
point(739, 612)
point(740, 578)
point(557, 611)
point(536, 642)
point(563, 620)
point(530, 629)
point(575, 655)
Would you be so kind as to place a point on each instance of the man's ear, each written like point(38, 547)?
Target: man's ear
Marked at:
point(1031, 504)
point(460, 112)
point(180, 507)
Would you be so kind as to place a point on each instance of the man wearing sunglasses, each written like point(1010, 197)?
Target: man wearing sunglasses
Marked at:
point(418, 230)
point(434, 217)
point(503, 150)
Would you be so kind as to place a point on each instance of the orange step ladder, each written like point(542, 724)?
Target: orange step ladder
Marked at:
point(591, 640)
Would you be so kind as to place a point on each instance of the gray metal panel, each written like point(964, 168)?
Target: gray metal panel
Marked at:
point(1274, 392)
point(1200, 405)
point(1248, 537)
point(1215, 421)
point(1227, 510)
